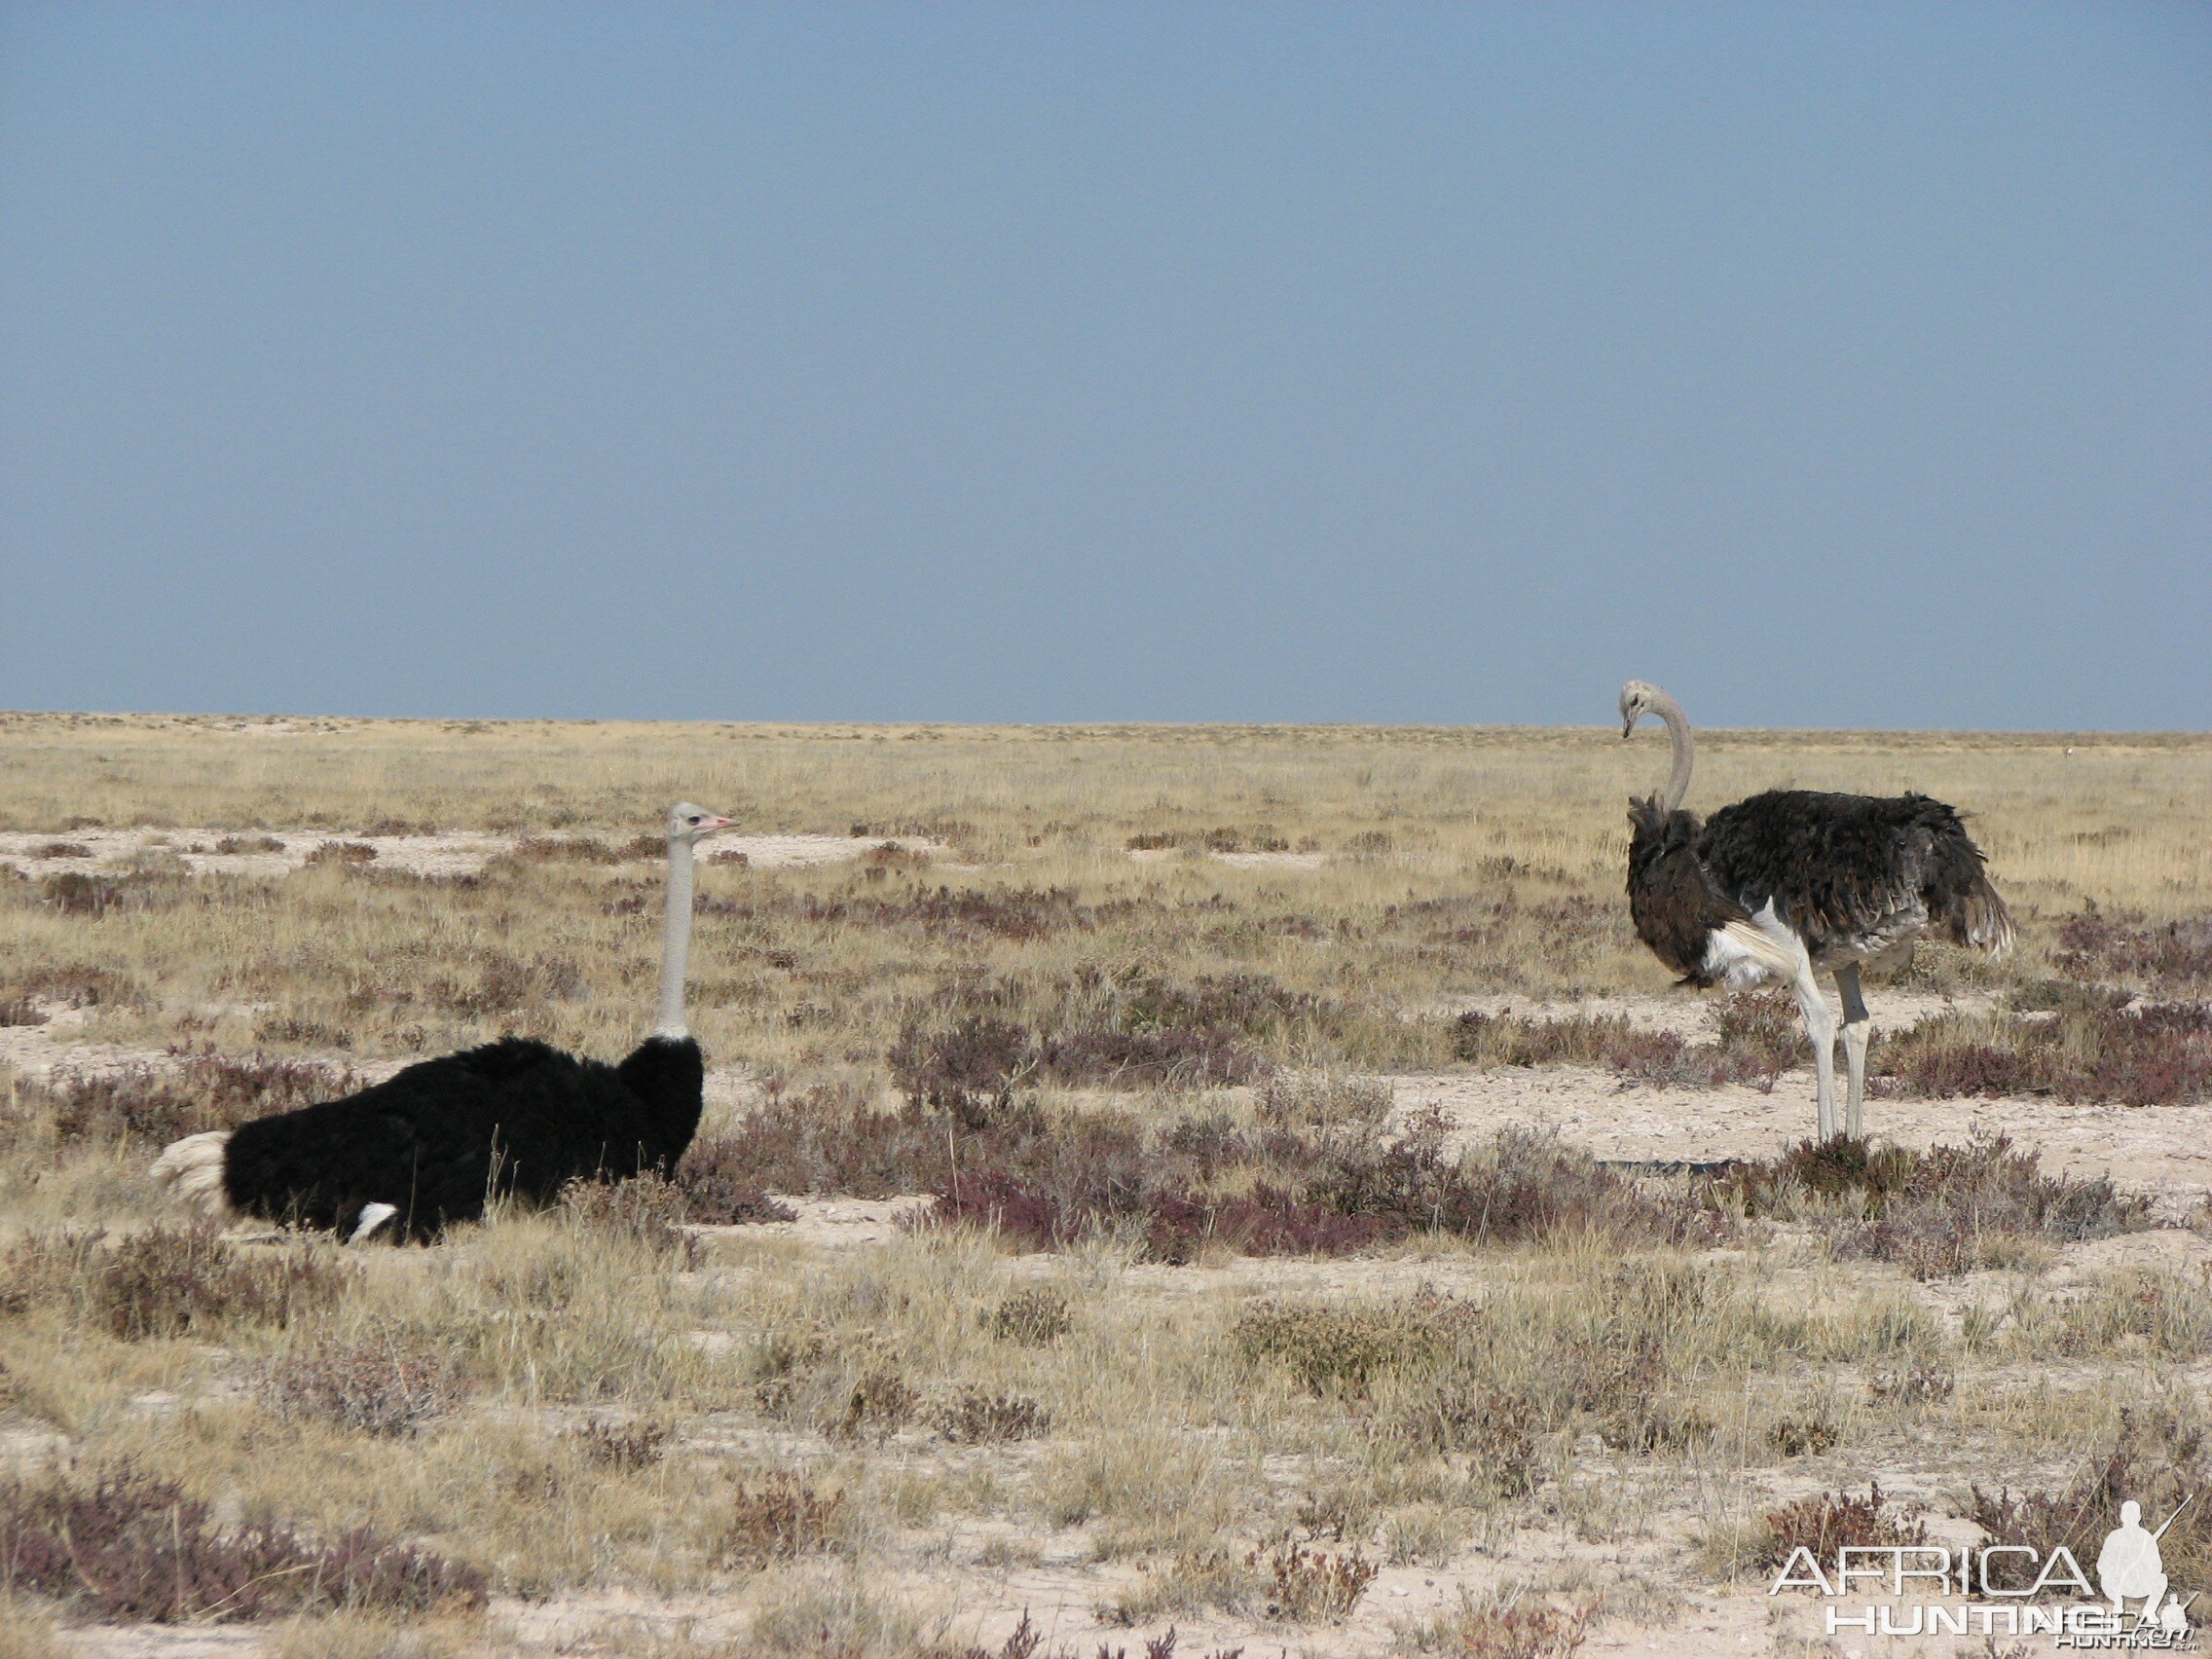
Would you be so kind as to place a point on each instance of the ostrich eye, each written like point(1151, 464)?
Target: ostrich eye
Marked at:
point(694, 818)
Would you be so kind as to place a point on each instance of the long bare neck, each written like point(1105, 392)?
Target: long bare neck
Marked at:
point(676, 940)
point(1679, 734)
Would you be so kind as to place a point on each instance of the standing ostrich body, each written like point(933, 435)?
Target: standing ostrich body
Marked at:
point(1793, 883)
point(431, 1144)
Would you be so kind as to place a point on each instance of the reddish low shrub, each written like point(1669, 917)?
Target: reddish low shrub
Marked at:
point(343, 853)
point(129, 1546)
point(719, 1188)
point(235, 844)
point(1105, 1031)
point(1830, 1521)
point(976, 1054)
point(1033, 1316)
point(1022, 1217)
point(1526, 1184)
point(2172, 955)
point(975, 1418)
point(77, 984)
point(1308, 1586)
point(384, 1385)
point(75, 894)
point(2150, 1055)
point(1026, 1641)
point(627, 1447)
point(778, 1518)
point(1754, 1039)
point(1936, 1211)
point(1044, 1179)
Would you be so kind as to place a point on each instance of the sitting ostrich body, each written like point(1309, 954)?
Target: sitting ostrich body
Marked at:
point(432, 1143)
point(1795, 883)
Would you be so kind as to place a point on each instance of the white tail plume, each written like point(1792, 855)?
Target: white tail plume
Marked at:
point(1742, 954)
point(191, 1170)
point(373, 1216)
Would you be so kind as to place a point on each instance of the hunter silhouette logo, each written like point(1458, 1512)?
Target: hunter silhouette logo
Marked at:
point(2129, 1568)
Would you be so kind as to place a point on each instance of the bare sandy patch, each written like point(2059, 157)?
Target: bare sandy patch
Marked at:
point(2163, 1149)
point(1271, 860)
point(833, 1222)
point(802, 852)
point(165, 1641)
point(446, 853)
point(59, 1045)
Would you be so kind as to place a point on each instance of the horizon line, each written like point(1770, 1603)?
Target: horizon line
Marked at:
point(2054, 733)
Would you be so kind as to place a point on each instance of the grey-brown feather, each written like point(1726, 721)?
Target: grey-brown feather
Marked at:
point(1672, 898)
point(1855, 875)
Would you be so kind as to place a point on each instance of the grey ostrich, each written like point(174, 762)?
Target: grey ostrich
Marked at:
point(1794, 883)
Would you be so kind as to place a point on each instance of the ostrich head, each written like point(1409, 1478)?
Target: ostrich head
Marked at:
point(1637, 700)
point(689, 822)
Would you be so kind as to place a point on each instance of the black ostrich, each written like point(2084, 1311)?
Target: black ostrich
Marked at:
point(432, 1144)
point(1797, 883)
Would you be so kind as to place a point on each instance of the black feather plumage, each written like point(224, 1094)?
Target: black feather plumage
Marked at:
point(440, 1138)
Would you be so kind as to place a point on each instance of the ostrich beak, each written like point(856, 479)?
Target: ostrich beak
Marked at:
point(1628, 725)
point(719, 823)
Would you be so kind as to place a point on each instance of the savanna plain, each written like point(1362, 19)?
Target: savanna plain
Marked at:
point(1164, 1191)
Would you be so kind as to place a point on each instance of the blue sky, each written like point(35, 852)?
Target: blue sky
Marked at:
point(1833, 365)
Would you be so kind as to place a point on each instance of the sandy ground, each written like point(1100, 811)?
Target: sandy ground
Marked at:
point(453, 852)
point(1061, 1605)
point(2167, 1150)
point(58, 1045)
point(2163, 1150)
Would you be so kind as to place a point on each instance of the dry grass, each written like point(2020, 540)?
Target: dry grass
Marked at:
point(384, 1385)
point(1503, 869)
point(167, 1281)
point(1508, 1629)
point(1125, 1081)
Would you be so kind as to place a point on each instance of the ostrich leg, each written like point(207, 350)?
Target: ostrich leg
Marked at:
point(1820, 1026)
point(1856, 1031)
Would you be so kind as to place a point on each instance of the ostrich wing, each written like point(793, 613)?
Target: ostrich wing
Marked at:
point(1843, 867)
point(434, 1140)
